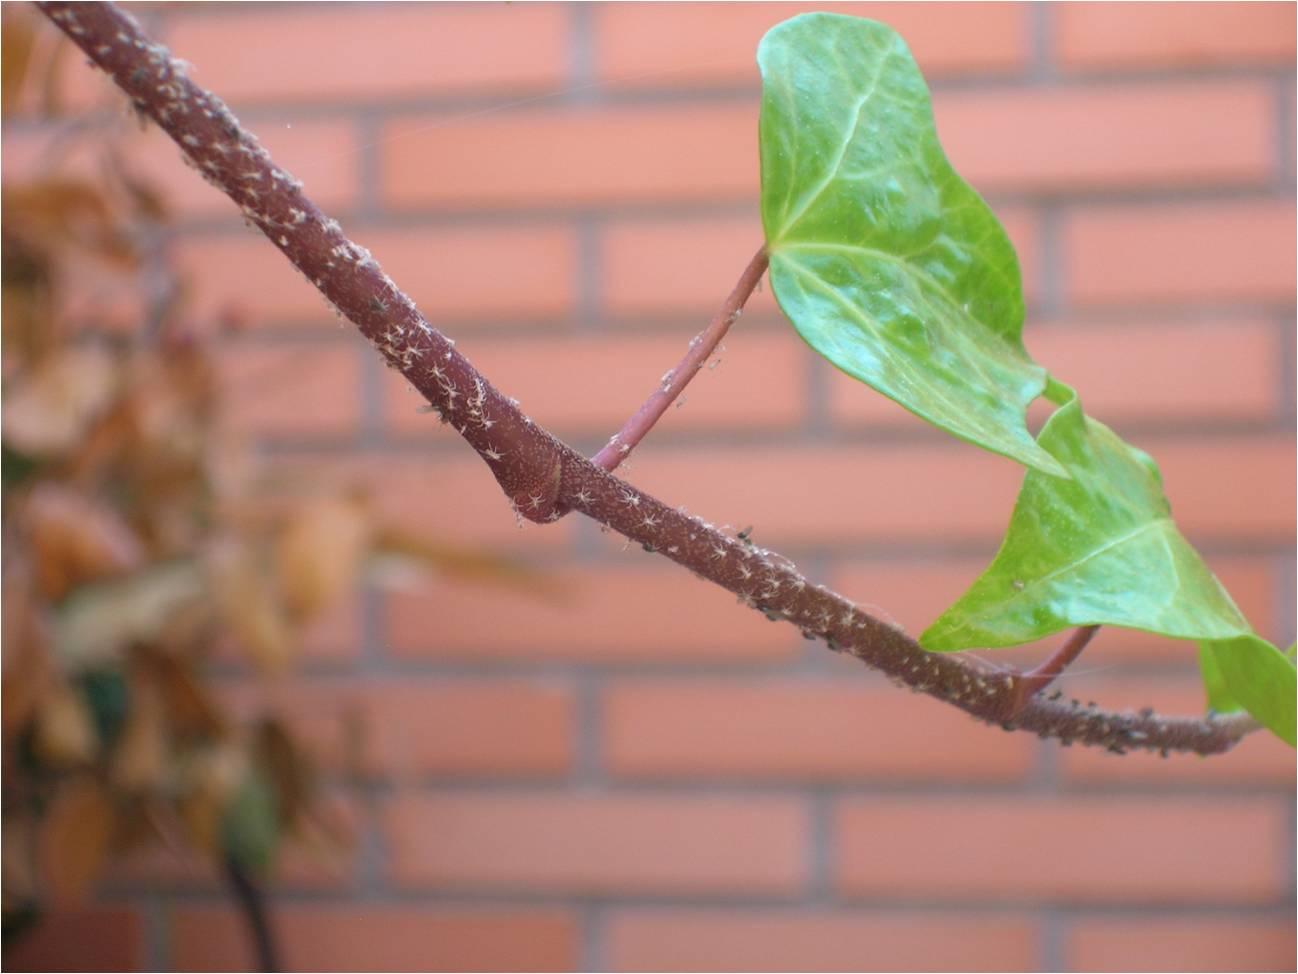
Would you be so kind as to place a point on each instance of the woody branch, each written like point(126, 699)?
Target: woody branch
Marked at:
point(541, 476)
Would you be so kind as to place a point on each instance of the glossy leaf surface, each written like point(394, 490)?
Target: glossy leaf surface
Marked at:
point(1097, 549)
point(1261, 678)
point(884, 259)
point(1214, 683)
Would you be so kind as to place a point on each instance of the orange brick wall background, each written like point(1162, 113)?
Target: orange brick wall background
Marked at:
point(647, 775)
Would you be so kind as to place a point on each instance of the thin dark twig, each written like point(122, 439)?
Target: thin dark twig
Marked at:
point(674, 382)
point(542, 477)
point(252, 900)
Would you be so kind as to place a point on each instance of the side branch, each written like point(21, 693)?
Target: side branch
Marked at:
point(1039, 677)
point(541, 476)
point(674, 382)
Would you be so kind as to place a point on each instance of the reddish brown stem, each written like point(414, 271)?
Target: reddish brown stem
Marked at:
point(674, 382)
point(541, 476)
point(1040, 677)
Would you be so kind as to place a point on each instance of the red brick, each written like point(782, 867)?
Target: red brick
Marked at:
point(450, 500)
point(1107, 850)
point(798, 731)
point(457, 272)
point(1167, 370)
point(1180, 253)
point(1148, 36)
point(599, 843)
point(430, 727)
point(616, 613)
point(322, 154)
point(686, 266)
point(1066, 139)
point(1183, 133)
point(334, 635)
point(819, 940)
point(675, 45)
point(360, 54)
point(241, 276)
point(821, 495)
point(587, 385)
point(908, 592)
point(386, 937)
point(90, 939)
point(1212, 500)
point(1260, 758)
point(808, 494)
point(1180, 944)
point(1182, 371)
point(512, 271)
point(287, 389)
point(470, 728)
point(681, 266)
point(572, 156)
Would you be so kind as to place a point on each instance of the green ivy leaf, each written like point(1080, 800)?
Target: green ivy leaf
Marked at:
point(1097, 549)
point(1261, 678)
point(250, 826)
point(886, 262)
point(1214, 683)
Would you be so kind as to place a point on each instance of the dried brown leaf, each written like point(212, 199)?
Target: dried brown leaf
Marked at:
point(16, 42)
point(97, 622)
point(250, 610)
point(318, 553)
point(210, 782)
point(76, 839)
point(290, 773)
point(396, 551)
point(189, 708)
point(65, 732)
point(28, 675)
point(47, 410)
point(75, 540)
point(139, 759)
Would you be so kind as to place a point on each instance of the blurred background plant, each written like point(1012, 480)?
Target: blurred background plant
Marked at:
point(139, 545)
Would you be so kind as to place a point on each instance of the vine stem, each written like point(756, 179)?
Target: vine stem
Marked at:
point(541, 476)
point(1040, 677)
point(674, 382)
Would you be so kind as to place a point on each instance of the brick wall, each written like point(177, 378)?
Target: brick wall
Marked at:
point(644, 775)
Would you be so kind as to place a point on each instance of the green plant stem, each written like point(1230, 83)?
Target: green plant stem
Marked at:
point(541, 476)
point(674, 382)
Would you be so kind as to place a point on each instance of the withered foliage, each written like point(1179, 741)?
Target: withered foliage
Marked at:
point(139, 546)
